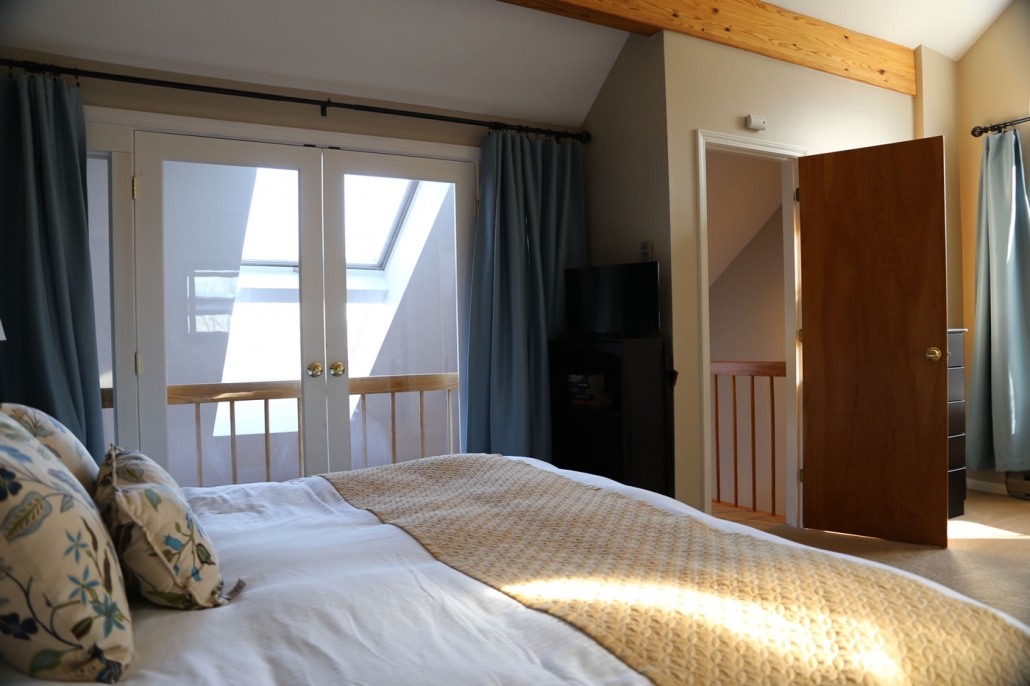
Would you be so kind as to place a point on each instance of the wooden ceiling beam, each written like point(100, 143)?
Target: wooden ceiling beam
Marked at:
point(758, 27)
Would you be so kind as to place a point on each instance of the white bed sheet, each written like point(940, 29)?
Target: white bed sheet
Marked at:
point(334, 596)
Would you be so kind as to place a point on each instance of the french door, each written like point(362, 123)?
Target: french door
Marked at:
point(398, 252)
point(297, 308)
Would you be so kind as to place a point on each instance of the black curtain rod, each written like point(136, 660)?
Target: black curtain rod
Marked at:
point(996, 128)
point(323, 105)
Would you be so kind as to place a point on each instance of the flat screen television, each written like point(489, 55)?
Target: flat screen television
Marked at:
point(613, 300)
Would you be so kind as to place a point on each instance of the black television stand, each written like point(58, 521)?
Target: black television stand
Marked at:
point(611, 409)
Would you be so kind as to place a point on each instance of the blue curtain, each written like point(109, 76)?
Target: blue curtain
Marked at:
point(998, 431)
point(49, 360)
point(529, 230)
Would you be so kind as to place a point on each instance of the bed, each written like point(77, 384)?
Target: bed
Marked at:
point(336, 596)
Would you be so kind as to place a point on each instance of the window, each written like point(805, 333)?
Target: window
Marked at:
point(375, 210)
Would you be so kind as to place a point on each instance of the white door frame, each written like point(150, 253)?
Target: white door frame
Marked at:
point(152, 150)
point(336, 164)
point(112, 130)
point(787, 156)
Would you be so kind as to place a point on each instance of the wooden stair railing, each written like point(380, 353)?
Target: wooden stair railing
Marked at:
point(232, 393)
point(749, 369)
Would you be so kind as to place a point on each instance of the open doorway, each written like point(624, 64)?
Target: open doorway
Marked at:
point(750, 316)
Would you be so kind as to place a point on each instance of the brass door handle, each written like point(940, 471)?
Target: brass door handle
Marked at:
point(337, 369)
point(933, 354)
point(314, 369)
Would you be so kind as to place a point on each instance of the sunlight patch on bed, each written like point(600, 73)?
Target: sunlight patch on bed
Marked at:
point(765, 628)
point(964, 530)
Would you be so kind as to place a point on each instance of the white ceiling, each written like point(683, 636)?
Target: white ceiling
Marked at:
point(948, 26)
point(478, 56)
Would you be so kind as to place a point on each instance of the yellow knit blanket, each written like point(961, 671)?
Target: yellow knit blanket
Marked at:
point(674, 598)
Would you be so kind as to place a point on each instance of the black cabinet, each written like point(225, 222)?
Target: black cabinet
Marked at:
point(611, 409)
point(956, 423)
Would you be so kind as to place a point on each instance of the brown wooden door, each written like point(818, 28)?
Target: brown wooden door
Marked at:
point(873, 281)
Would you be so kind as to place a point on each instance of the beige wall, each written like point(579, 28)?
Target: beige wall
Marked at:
point(742, 193)
point(747, 317)
point(936, 109)
point(209, 106)
point(993, 86)
point(712, 87)
point(626, 170)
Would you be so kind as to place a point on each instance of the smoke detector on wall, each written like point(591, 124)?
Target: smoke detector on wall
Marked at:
point(754, 122)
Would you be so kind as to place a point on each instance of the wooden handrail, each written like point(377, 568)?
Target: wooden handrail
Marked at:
point(751, 369)
point(232, 393)
point(189, 394)
point(747, 368)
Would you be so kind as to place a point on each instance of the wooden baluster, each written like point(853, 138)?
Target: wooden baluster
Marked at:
point(393, 428)
point(268, 445)
point(450, 425)
point(772, 433)
point(200, 448)
point(364, 432)
point(735, 489)
point(300, 437)
point(754, 475)
point(232, 433)
point(718, 461)
point(422, 420)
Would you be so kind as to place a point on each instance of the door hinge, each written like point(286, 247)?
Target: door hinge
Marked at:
point(137, 364)
point(799, 335)
point(477, 207)
point(134, 188)
point(797, 195)
point(801, 475)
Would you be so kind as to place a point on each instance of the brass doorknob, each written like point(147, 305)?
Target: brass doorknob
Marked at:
point(933, 354)
point(337, 369)
point(314, 369)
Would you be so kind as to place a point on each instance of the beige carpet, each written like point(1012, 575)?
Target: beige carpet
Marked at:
point(988, 554)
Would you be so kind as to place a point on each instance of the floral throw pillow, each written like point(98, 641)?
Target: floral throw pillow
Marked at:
point(58, 440)
point(164, 551)
point(63, 609)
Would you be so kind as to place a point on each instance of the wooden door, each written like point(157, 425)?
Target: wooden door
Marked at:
point(874, 302)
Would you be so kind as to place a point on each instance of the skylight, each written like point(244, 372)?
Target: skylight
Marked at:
point(374, 210)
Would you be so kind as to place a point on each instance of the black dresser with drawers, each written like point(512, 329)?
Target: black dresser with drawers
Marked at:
point(956, 422)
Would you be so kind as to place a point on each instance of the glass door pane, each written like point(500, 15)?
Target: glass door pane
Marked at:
point(236, 238)
point(392, 305)
point(98, 176)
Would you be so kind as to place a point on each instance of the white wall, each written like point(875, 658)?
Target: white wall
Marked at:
point(625, 166)
point(742, 193)
point(712, 87)
point(747, 323)
point(936, 111)
point(993, 86)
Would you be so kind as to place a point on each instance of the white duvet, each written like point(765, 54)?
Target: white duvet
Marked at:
point(334, 596)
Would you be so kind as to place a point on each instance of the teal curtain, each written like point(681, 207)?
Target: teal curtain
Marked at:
point(998, 429)
point(49, 360)
point(529, 230)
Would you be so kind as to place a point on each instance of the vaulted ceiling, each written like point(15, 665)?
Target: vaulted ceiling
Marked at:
point(477, 56)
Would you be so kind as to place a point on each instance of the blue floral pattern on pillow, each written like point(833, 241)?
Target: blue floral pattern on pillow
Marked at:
point(58, 440)
point(164, 551)
point(63, 608)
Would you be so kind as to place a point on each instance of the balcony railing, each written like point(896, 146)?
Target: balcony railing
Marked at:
point(266, 391)
point(751, 370)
